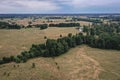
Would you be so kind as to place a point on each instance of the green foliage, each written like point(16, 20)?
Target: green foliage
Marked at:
point(29, 26)
point(60, 35)
point(29, 22)
point(65, 25)
point(108, 39)
point(70, 35)
point(41, 26)
point(88, 20)
point(45, 37)
point(17, 60)
point(5, 25)
point(6, 59)
point(85, 29)
point(33, 65)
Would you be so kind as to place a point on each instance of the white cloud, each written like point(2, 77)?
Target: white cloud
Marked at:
point(28, 6)
point(89, 3)
point(47, 6)
point(38, 5)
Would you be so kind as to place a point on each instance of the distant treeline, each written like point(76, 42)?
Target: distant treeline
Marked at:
point(116, 19)
point(41, 26)
point(54, 17)
point(112, 17)
point(105, 36)
point(65, 25)
point(88, 20)
point(5, 25)
point(97, 29)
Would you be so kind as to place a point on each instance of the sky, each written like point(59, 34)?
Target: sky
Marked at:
point(59, 6)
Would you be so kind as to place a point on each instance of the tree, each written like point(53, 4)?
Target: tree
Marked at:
point(44, 26)
point(41, 26)
point(6, 59)
point(25, 54)
point(29, 22)
point(65, 44)
point(78, 40)
point(17, 60)
point(70, 35)
point(92, 31)
point(33, 65)
point(45, 37)
point(60, 35)
point(59, 49)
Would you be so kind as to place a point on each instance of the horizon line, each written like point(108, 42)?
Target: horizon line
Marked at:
point(59, 13)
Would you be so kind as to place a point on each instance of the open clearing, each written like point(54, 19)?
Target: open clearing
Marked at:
point(12, 42)
point(80, 63)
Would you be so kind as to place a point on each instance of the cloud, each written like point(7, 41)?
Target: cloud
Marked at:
point(92, 6)
point(89, 3)
point(56, 6)
point(28, 6)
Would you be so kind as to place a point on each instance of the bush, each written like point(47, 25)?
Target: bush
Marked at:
point(33, 65)
point(65, 25)
point(41, 26)
point(5, 25)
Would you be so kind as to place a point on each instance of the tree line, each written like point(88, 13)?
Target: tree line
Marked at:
point(41, 26)
point(5, 25)
point(104, 36)
point(87, 19)
point(53, 48)
point(97, 29)
point(65, 25)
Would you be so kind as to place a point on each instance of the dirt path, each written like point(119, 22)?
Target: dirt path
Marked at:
point(96, 66)
point(79, 66)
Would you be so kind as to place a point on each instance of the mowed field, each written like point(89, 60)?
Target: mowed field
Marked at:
point(80, 63)
point(12, 42)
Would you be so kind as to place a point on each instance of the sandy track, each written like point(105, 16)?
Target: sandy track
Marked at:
point(79, 66)
point(96, 66)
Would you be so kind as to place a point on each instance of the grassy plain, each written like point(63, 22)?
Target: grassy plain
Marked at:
point(12, 42)
point(80, 63)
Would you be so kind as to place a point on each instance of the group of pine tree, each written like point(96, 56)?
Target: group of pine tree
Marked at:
point(104, 36)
